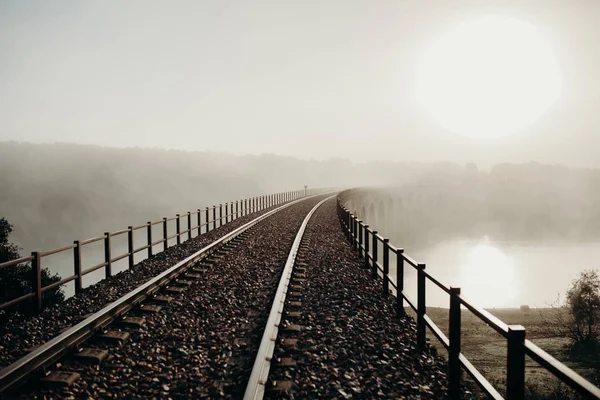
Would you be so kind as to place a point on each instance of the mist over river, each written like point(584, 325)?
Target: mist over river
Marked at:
point(502, 274)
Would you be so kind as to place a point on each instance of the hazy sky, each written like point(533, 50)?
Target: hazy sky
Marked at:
point(303, 78)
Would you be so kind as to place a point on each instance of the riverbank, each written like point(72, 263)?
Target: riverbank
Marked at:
point(486, 349)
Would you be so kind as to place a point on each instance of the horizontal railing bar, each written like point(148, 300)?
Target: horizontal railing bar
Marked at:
point(60, 249)
point(160, 221)
point(59, 283)
point(393, 284)
point(119, 258)
point(436, 331)
point(141, 248)
point(94, 268)
point(16, 261)
point(172, 237)
point(437, 283)
point(561, 371)
point(486, 316)
point(92, 240)
point(410, 303)
point(182, 232)
point(158, 242)
point(410, 260)
point(378, 236)
point(17, 300)
point(117, 233)
point(483, 383)
point(135, 228)
point(379, 266)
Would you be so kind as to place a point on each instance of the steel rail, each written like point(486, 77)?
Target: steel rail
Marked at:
point(55, 348)
point(255, 389)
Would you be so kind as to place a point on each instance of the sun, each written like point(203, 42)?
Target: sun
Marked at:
point(488, 77)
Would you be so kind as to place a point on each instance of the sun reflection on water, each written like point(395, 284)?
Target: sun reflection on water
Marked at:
point(488, 276)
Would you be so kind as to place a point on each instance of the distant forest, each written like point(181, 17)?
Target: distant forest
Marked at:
point(55, 193)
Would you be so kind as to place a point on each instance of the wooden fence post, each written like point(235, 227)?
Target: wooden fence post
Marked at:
point(421, 308)
point(214, 217)
point(149, 234)
point(400, 283)
point(515, 363)
point(386, 268)
point(189, 227)
point(375, 250)
point(130, 246)
point(107, 255)
point(360, 238)
point(165, 234)
point(206, 219)
point(178, 228)
point(36, 281)
point(366, 246)
point(454, 328)
point(77, 266)
point(199, 222)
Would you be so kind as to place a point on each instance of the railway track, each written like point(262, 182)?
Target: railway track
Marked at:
point(90, 342)
point(286, 297)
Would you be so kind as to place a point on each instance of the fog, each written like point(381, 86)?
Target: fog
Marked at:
point(303, 79)
point(116, 113)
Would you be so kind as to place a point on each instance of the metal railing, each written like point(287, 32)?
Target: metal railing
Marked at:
point(233, 210)
point(366, 242)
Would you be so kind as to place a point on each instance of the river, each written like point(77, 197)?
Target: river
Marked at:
point(502, 274)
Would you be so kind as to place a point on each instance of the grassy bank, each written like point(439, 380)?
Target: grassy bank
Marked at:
point(486, 349)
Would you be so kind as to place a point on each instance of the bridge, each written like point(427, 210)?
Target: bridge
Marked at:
point(290, 295)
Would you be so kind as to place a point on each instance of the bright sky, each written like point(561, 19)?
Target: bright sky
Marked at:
point(302, 78)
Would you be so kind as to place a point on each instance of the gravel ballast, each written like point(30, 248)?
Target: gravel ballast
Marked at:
point(203, 343)
point(21, 334)
point(351, 344)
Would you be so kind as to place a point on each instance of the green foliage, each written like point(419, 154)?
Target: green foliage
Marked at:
point(15, 281)
point(583, 302)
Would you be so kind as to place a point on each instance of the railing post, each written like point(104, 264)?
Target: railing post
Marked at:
point(237, 209)
point(349, 221)
point(77, 266)
point(375, 249)
point(515, 363)
point(165, 235)
point(400, 283)
point(214, 217)
point(226, 212)
point(421, 308)
point(360, 238)
point(189, 228)
point(355, 234)
point(149, 234)
point(366, 246)
point(454, 329)
point(199, 222)
point(107, 255)
point(178, 228)
point(220, 214)
point(130, 245)
point(352, 231)
point(386, 268)
point(206, 219)
point(36, 281)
